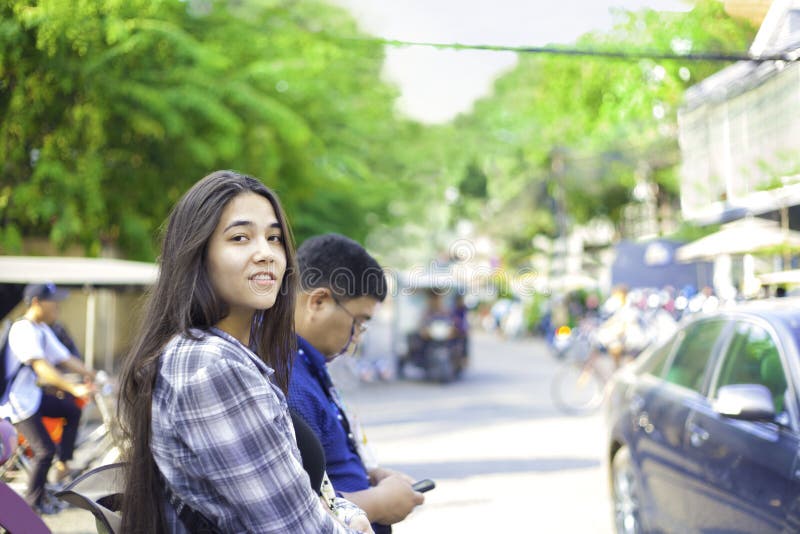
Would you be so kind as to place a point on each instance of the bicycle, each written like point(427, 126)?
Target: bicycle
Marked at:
point(596, 350)
point(579, 386)
point(97, 444)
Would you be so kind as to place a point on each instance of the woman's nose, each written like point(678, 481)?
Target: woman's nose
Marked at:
point(264, 251)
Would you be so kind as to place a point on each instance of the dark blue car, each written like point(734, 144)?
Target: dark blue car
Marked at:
point(704, 429)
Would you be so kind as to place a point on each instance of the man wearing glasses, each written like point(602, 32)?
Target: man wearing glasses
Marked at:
point(341, 285)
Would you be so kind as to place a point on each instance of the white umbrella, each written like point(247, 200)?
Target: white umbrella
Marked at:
point(740, 237)
point(781, 277)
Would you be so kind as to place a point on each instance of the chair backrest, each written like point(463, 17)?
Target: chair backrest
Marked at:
point(99, 491)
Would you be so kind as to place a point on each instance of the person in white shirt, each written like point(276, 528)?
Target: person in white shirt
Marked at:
point(36, 388)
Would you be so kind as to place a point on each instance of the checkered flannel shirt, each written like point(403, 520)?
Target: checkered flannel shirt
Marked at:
point(223, 439)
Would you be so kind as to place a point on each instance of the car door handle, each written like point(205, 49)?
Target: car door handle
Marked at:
point(643, 421)
point(636, 403)
point(698, 435)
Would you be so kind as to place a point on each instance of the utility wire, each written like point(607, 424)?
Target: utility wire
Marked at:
point(789, 56)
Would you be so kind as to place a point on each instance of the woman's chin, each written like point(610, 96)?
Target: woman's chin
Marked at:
point(266, 302)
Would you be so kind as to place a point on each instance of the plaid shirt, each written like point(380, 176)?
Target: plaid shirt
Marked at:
point(223, 439)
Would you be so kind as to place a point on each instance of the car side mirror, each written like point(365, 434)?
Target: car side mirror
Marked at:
point(749, 402)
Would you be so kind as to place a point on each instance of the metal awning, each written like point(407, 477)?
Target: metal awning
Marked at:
point(76, 271)
point(88, 273)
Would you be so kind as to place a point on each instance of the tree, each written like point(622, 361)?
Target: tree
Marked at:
point(614, 119)
point(110, 110)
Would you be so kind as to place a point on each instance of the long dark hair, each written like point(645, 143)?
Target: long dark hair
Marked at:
point(183, 298)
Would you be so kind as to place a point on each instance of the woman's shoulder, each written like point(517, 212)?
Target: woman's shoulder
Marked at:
point(193, 340)
point(190, 351)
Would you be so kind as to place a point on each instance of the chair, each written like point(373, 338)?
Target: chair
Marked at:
point(99, 491)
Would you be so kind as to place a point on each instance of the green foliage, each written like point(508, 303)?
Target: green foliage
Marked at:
point(689, 232)
point(110, 110)
point(474, 183)
point(613, 120)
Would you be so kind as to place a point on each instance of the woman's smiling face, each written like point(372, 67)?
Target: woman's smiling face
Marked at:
point(246, 258)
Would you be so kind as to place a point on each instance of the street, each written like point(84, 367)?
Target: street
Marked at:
point(504, 460)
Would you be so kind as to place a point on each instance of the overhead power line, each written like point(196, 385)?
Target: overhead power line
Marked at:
point(789, 56)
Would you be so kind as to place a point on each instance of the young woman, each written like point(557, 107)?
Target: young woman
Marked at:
point(202, 393)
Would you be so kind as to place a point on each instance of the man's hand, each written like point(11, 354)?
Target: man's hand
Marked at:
point(398, 497)
point(376, 474)
point(390, 498)
point(81, 390)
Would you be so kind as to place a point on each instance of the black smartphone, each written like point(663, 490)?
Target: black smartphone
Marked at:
point(423, 485)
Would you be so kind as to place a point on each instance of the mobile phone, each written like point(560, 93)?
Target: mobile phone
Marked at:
point(423, 485)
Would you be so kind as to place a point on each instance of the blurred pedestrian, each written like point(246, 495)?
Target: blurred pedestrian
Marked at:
point(36, 388)
point(66, 339)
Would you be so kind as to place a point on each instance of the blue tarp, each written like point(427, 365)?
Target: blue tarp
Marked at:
point(653, 264)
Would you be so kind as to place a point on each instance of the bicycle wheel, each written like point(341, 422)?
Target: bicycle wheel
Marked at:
point(577, 389)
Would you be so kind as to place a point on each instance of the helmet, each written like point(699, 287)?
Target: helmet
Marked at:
point(8, 440)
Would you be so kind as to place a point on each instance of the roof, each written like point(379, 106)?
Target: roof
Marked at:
point(76, 271)
point(777, 34)
point(783, 309)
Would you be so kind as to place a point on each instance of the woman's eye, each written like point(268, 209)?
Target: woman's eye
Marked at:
point(276, 238)
point(239, 237)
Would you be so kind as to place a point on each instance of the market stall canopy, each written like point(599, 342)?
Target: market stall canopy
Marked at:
point(741, 237)
point(89, 273)
point(76, 271)
point(654, 264)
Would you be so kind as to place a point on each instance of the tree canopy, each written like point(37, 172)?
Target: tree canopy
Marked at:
point(110, 110)
point(611, 122)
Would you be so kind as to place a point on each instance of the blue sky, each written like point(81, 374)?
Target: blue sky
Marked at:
point(436, 85)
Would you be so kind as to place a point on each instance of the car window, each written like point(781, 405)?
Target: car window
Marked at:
point(654, 365)
point(753, 358)
point(688, 367)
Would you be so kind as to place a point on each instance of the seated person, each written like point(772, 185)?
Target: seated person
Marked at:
point(331, 312)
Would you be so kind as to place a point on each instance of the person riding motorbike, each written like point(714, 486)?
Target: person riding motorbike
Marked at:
point(440, 341)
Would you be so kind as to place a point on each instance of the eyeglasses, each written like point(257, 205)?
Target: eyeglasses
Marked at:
point(359, 325)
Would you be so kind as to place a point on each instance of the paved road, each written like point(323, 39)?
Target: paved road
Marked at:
point(503, 459)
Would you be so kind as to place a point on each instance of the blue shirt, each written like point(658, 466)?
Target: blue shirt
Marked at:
point(312, 394)
point(222, 438)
